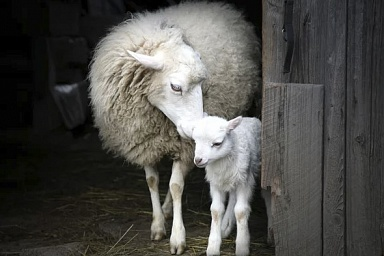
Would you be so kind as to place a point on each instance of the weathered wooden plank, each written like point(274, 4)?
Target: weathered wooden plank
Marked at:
point(365, 133)
point(292, 140)
point(319, 58)
point(274, 46)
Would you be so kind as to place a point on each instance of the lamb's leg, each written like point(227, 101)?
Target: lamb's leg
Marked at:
point(266, 194)
point(176, 187)
point(229, 216)
point(158, 220)
point(217, 211)
point(242, 212)
point(167, 205)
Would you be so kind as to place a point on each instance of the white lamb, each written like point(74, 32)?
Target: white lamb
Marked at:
point(230, 153)
point(157, 69)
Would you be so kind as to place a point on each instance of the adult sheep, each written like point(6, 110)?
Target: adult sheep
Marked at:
point(154, 71)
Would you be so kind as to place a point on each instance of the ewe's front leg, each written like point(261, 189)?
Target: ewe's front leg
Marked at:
point(176, 187)
point(242, 212)
point(158, 220)
point(217, 211)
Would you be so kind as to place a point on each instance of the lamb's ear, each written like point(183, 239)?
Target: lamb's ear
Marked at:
point(232, 124)
point(152, 62)
point(205, 114)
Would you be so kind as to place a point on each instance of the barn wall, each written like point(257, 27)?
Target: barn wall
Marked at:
point(364, 129)
point(338, 44)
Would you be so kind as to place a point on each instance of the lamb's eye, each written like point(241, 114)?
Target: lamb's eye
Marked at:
point(217, 144)
point(176, 87)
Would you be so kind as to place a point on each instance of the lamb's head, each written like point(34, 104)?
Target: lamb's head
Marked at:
point(213, 138)
point(175, 83)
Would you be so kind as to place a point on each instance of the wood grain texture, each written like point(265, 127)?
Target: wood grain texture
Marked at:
point(292, 150)
point(339, 44)
point(365, 133)
point(319, 58)
point(274, 46)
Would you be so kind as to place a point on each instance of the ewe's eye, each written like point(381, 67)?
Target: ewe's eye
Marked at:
point(176, 87)
point(217, 144)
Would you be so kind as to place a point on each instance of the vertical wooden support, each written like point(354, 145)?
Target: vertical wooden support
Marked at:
point(322, 57)
point(365, 128)
point(292, 140)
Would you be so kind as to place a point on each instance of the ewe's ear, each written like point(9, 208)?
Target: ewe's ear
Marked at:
point(232, 124)
point(152, 62)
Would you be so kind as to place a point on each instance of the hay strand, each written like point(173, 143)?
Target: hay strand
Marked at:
point(120, 239)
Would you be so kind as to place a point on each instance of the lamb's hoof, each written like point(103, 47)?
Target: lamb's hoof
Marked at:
point(213, 252)
point(177, 241)
point(242, 251)
point(178, 249)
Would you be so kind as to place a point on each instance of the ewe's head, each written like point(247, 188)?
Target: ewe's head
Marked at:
point(175, 86)
point(213, 138)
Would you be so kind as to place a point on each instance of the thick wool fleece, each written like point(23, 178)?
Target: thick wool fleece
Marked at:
point(128, 124)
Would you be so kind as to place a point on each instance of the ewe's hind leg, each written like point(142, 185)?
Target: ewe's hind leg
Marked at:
point(176, 187)
point(229, 217)
point(158, 220)
point(242, 212)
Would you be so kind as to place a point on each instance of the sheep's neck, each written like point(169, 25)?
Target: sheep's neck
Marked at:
point(224, 172)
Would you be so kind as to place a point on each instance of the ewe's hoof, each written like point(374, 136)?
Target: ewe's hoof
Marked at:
point(158, 229)
point(177, 241)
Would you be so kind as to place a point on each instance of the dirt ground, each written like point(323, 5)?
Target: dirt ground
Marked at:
point(64, 189)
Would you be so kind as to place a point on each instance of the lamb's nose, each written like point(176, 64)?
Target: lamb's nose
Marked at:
point(198, 160)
